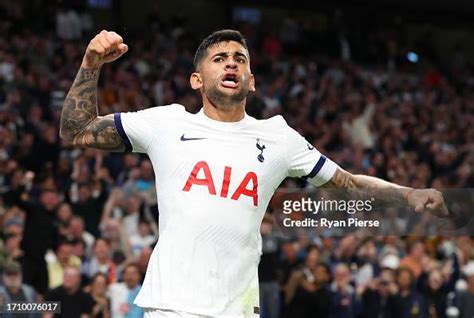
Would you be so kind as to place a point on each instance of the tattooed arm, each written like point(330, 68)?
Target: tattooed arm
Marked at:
point(367, 187)
point(81, 124)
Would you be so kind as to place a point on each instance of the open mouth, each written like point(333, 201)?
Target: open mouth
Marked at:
point(230, 81)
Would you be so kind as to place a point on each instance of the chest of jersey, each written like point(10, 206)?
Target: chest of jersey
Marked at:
point(241, 166)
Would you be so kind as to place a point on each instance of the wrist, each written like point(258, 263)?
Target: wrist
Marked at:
point(408, 192)
point(86, 64)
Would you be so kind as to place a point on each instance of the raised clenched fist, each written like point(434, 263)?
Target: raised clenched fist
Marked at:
point(105, 47)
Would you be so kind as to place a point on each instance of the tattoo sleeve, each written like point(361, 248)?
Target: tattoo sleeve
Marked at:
point(364, 187)
point(80, 123)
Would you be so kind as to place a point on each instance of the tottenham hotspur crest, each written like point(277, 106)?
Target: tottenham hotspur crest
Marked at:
point(261, 148)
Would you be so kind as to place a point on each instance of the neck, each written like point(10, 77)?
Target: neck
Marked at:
point(405, 291)
point(14, 289)
point(71, 290)
point(102, 260)
point(225, 114)
point(97, 295)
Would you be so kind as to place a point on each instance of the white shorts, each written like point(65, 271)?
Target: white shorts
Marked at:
point(165, 313)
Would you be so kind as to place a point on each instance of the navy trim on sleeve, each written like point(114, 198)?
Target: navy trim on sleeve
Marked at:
point(317, 168)
point(121, 131)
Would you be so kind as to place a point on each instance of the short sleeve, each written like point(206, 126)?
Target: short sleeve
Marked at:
point(137, 129)
point(305, 161)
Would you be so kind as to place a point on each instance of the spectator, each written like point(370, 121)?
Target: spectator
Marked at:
point(79, 249)
point(88, 206)
point(123, 294)
point(465, 299)
point(14, 290)
point(143, 239)
point(74, 301)
point(132, 217)
point(68, 24)
point(435, 289)
point(268, 270)
point(290, 260)
point(130, 162)
point(307, 292)
point(414, 259)
point(76, 231)
point(64, 217)
point(367, 262)
point(98, 293)
point(143, 261)
point(409, 303)
point(101, 261)
point(57, 263)
point(39, 235)
point(13, 233)
point(305, 285)
point(143, 183)
point(378, 296)
point(344, 300)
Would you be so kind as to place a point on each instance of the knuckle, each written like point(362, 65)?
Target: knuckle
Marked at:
point(113, 41)
point(117, 36)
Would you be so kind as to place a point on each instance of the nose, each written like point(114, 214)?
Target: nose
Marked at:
point(230, 64)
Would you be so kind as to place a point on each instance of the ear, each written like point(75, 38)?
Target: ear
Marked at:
point(195, 80)
point(252, 83)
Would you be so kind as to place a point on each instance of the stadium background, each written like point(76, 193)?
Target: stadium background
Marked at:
point(384, 88)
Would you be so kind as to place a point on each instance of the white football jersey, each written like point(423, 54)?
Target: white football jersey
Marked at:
point(214, 181)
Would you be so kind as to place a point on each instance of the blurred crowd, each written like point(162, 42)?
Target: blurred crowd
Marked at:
point(79, 225)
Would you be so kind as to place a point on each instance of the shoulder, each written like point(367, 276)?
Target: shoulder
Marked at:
point(276, 120)
point(55, 293)
point(28, 289)
point(161, 111)
point(297, 275)
point(116, 287)
point(275, 124)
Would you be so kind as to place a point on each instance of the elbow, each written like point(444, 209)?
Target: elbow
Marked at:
point(63, 131)
point(65, 135)
point(68, 134)
point(62, 135)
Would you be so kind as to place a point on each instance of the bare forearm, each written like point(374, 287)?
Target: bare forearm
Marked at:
point(364, 181)
point(367, 187)
point(80, 106)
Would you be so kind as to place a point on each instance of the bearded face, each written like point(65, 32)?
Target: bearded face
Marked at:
point(224, 75)
point(219, 95)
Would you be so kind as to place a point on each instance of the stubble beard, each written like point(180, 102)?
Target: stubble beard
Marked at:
point(219, 98)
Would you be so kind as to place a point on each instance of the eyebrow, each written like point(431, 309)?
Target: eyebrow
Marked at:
point(226, 54)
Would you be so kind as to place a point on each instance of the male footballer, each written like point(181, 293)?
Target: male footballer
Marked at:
point(216, 170)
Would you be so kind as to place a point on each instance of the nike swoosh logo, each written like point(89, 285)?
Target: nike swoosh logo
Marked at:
point(188, 139)
point(310, 147)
